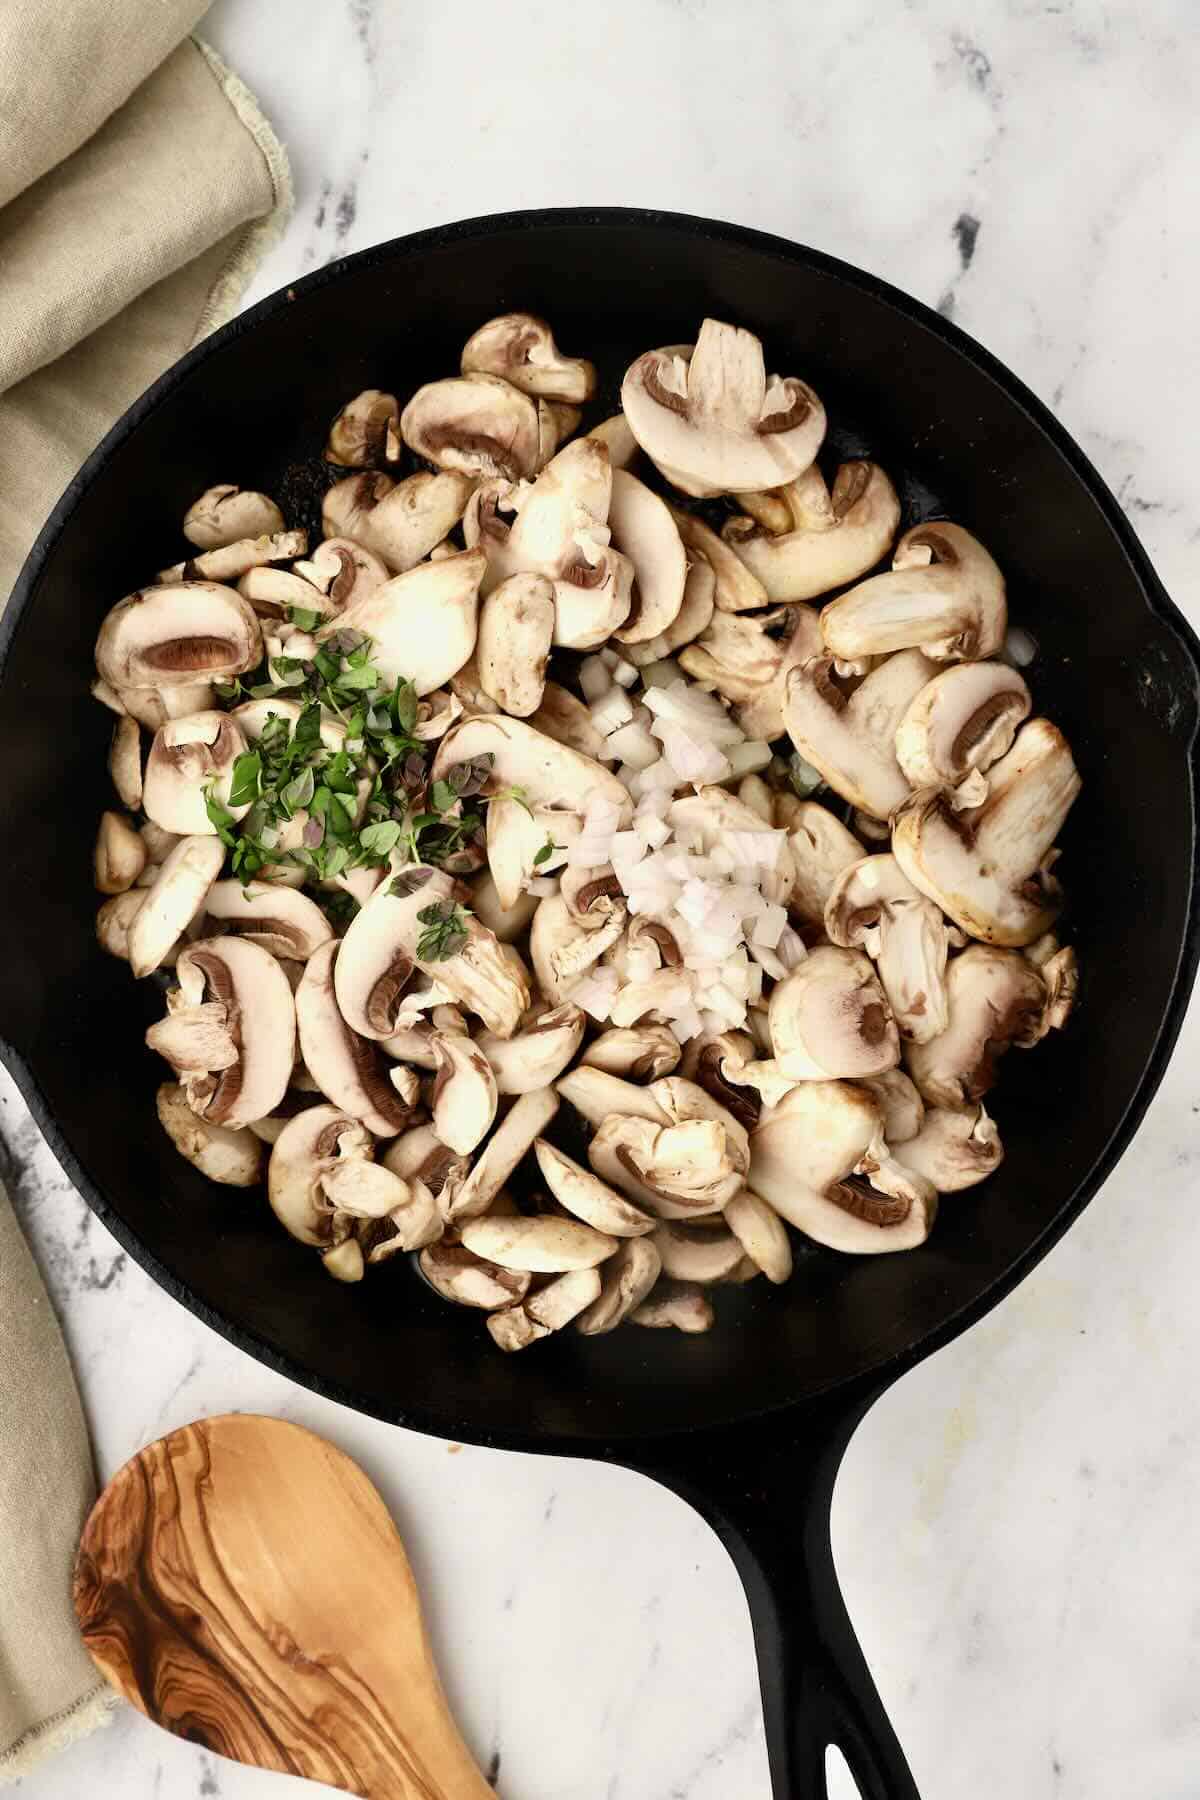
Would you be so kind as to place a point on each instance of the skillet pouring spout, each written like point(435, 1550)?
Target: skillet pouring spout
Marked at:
point(767, 1491)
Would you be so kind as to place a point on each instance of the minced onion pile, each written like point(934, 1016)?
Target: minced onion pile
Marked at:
point(711, 886)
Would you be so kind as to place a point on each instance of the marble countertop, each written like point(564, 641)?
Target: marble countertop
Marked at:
point(1015, 1522)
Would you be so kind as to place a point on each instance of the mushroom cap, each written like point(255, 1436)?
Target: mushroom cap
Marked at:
point(851, 738)
point(964, 719)
point(544, 1245)
point(901, 1102)
point(943, 594)
point(177, 895)
point(625, 1281)
point(343, 570)
point(285, 922)
point(233, 1158)
point(860, 1221)
point(588, 1198)
point(398, 522)
point(674, 1306)
point(378, 955)
point(516, 630)
point(822, 848)
point(829, 1018)
point(261, 1017)
point(597, 1096)
point(125, 762)
point(954, 1149)
point(464, 1097)
point(711, 420)
point(736, 588)
point(305, 1150)
point(873, 905)
point(346, 1066)
point(995, 998)
point(642, 1051)
point(549, 773)
point(985, 867)
point(815, 1136)
point(459, 1275)
point(478, 424)
point(618, 440)
point(506, 924)
point(422, 624)
point(190, 759)
point(120, 855)
point(228, 562)
point(704, 1253)
point(179, 634)
point(644, 531)
point(359, 432)
point(568, 721)
point(520, 348)
point(823, 546)
point(225, 513)
point(538, 1053)
point(114, 918)
point(690, 622)
point(760, 1233)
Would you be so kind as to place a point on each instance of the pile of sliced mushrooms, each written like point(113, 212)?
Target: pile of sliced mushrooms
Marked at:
point(537, 809)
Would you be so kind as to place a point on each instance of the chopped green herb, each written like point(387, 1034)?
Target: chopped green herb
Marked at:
point(445, 931)
point(546, 852)
point(243, 788)
point(303, 619)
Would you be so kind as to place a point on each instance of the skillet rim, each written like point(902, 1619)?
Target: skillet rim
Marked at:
point(635, 1447)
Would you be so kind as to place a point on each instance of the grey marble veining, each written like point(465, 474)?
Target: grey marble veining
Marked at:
point(1014, 1521)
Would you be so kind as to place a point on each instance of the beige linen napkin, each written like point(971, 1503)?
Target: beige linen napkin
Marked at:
point(139, 187)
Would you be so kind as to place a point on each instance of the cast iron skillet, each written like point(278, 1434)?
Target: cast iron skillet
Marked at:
point(749, 1423)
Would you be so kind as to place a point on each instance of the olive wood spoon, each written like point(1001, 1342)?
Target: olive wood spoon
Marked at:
point(242, 1583)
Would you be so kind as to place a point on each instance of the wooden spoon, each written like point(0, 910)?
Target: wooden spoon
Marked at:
point(242, 1582)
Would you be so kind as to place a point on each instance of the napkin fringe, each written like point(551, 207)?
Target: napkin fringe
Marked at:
point(91, 1712)
point(261, 235)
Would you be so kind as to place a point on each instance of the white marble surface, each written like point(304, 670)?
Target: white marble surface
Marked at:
point(1015, 1523)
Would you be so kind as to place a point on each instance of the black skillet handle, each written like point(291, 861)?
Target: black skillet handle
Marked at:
point(767, 1493)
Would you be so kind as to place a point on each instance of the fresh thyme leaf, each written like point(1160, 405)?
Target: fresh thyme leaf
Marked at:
point(302, 618)
point(546, 852)
point(443, 796)
point(445, 933)
point(243, 787)
point(381, 839)
point(517, 794)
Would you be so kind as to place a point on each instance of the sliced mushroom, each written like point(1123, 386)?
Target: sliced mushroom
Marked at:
point(644, 531)
point(343, 571)
point(514, 1137)
point(113, 920)
point(523, 843)
point(874, 906)
point(125, 762)
point(735, 589)
point(520, 348)
point(306, 1150)
point(944, 594)
point(964, 720)
point(464, 1096)
point(563, 947)
point(681, 1171)
point(901, 1104)
point(416, 1224)
point(851, 738)
point(421, 624)
point(597, 1096)
point(699, 1253)
point(538, 1053)
point(618, 440)
point(548, 773)
point(556, 422)
point(232, 1157)
point(830, 1018)
point(692, 619)
point(546, 1311)
point(675, 1307)
point(715, 1064)
point(568, 721)
point(995, 998)
point(587, 1197)
point(459, 1275)
point(478, 424)
point(399, 522)
point(516, 629)
point(231, 1033)
point(822, 849)
point(190, 762)
point(230, 561)
point(736, 654)
point(284, 922)
point(506, 923)
point(120, 855)
point(761, 1234)
point(182, 635)
point(178, 894)
point(346, 1066)
point(988, 868)
point(419, 1156)
point(641, 1051)
point(954, 1149)
point(713, 421)
point(225, 513)
point(682, 1099)
point(625, 1281)
point(359, 433)
point(544, 1245)
point(826, 539)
